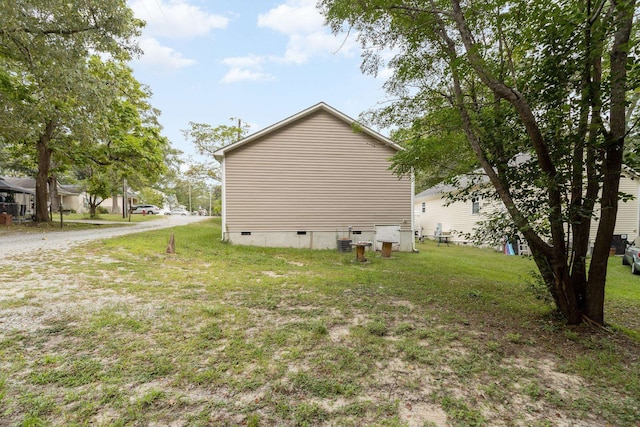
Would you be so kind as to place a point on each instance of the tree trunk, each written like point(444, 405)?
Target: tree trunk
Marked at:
point(44, 164)
point(559, 284)
point(115, 208)
point(54, 195)
point(93, 206)
point(566, 290)
point(612, 164)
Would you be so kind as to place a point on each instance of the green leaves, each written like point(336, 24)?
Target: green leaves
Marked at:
point(45, 59)
point(207, 139)
point(543, 79)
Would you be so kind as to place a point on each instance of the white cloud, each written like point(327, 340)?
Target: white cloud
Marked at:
point(235, 75)
point(163, 57)
point(245, 68)
point(171, 19)
point(301, 21)
point(244, 61)
point(176, 18)
point(293, 17)
point(301, 48)
point(307, 37)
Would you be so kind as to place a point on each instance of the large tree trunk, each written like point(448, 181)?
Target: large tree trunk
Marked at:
point(562, 264)
point(42, 177)
point(571, 289)
point(560, 285)
point(594, 304)
point(612, 164)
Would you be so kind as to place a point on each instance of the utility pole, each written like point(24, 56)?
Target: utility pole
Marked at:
point(124, 197)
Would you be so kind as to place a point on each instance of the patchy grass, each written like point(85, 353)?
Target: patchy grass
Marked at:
point(69, 223)
point(112, 217)
point(123, 334)
point(33, 227)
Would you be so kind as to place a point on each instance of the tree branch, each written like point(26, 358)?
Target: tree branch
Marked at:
point(57, 31)
point(521, 221)
point(521, 106)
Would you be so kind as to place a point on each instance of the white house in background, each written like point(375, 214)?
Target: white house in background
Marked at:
point(114, 205)
point(73, 197)
point(432, 215)
point(628, 219)
point(311, 179)
point(460, 218)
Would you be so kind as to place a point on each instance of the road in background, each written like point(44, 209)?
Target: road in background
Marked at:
point(21, 243)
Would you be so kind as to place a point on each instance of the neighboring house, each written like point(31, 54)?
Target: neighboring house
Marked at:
point(433, 215)
point(460, 218)
point(27, 183)
point(116, 208)
point(73, 197)
point(628, 219)
point(15, 200)
point(311, 179)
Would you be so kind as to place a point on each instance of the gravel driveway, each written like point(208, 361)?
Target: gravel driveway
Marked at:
point(22, 243)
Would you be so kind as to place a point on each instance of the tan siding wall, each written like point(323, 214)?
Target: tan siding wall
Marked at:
point(314, 175)
point(456, 217)
point(627, 220)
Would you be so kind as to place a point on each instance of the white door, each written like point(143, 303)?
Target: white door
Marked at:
point(389, 233)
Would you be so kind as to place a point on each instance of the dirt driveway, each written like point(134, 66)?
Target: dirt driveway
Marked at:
point(22, 243)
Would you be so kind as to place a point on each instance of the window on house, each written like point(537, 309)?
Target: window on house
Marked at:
point(475, 205)
point(424, 207)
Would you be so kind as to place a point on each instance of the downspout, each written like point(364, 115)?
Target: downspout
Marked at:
point(224, 198)
point(413, 213)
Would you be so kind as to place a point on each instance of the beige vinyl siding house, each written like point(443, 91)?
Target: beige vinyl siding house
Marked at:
point(628, 219)
point(459, 217)
point(309, 180)
point(431, 212)
point(73, 198)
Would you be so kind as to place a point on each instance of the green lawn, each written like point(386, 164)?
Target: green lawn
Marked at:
point(120, 333)
point(110, 217)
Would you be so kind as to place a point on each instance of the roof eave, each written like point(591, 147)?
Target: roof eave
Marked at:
point(220, 153)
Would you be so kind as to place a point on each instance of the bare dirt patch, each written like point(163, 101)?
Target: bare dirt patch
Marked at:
point(193, 353)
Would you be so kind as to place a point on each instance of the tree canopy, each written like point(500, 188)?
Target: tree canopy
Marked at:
point(51, 97)
point(539, 90)
point(129, 146)
point(207, 139)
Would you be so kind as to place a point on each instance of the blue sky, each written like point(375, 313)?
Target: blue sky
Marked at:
point(258, 60)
